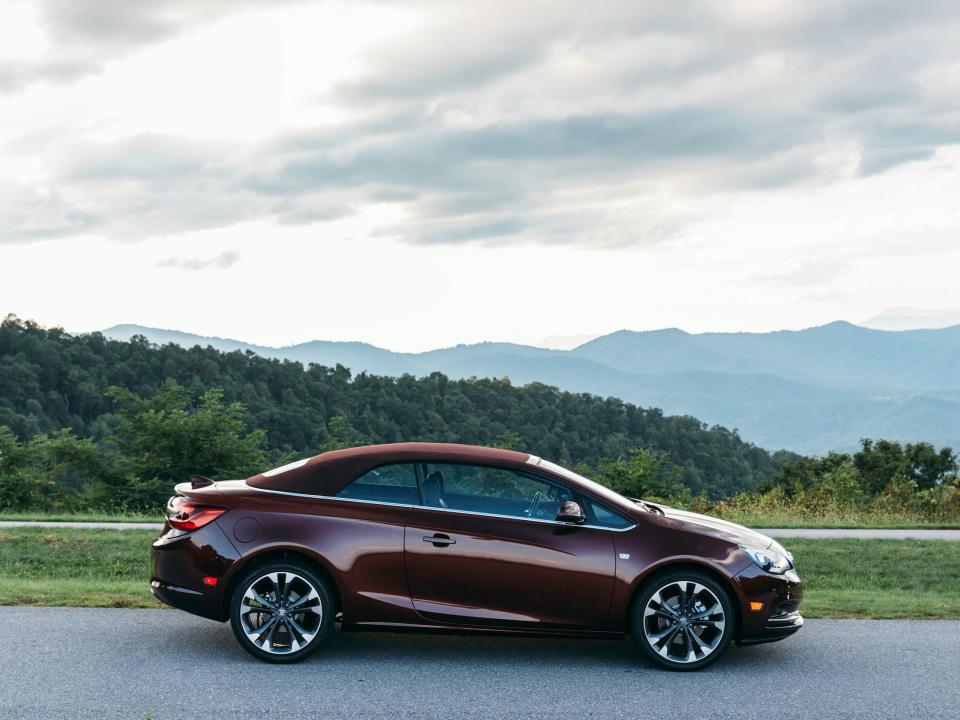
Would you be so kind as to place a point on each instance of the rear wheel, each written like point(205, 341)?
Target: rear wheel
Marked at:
point(683, 620)
point(281, 612)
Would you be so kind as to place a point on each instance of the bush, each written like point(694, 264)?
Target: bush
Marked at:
point(26, 491)
point(151, 445)
point(46, 472)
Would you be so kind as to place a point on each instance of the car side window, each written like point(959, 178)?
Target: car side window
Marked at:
point(388, 483)
point(498, 491)
point(605, 517)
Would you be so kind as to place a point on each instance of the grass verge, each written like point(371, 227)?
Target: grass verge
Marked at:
point(851, 519)
point(74, 567)
point(81, 517)
point(878, 578)
point(842, 578)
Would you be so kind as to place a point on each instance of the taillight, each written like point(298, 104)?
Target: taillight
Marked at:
point(185, 515)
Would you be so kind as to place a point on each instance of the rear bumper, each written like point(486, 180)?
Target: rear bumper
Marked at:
point(777, 616)
point(182, 561)
point(182, 598)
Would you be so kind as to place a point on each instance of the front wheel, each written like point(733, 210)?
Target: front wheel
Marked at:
point(281, 612)
point(683, 620)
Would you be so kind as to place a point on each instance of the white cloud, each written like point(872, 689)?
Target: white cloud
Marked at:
point(710, 165)
point(221, 261)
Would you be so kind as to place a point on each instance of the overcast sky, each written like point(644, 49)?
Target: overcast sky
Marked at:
point(421, 174)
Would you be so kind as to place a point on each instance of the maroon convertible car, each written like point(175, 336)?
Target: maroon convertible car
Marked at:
point(469, 539)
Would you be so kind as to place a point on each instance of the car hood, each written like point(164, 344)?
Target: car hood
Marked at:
point(717, 527)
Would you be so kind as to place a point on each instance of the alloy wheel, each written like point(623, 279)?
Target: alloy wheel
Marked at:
point(684, 621)
point(281, 612)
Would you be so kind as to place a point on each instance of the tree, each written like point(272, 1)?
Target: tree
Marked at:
point(884, 462)
point(168, 437)
point(342, 434)
point(645, 474)
point(804, 474)
point(25, 484)
point(879, 463)
point(929, 467)
point(51, 380)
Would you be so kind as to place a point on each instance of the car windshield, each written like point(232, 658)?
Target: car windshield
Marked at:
point(593, 486)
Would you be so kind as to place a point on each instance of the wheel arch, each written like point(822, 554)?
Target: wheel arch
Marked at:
point(697, 565)
point(282, 553)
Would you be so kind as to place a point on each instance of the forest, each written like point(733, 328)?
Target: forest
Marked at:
point(91, 423)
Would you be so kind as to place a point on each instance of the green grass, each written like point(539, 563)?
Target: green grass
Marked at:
point(82, 517)
point(878, 578)
point(81, 568)
point(788, 518)
point(842, 578)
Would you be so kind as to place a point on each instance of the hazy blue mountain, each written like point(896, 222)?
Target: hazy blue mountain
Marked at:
point(163, 337)
point(838, 355)
point(811, 390)
point(355, 355)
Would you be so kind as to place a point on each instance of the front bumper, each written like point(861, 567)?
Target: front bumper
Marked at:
point(182, 560)
point(778, 615)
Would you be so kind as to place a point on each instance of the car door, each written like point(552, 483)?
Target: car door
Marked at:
point(483, 548)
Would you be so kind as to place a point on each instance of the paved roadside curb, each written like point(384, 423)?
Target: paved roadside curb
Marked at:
point(861, 534)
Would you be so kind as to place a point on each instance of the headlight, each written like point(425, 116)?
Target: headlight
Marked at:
point(769, 560)
point(780, 549)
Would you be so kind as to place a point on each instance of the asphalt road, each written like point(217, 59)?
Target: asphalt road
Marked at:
point(165, 664)
point(917, 534)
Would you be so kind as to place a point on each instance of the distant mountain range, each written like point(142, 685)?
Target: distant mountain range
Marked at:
point(810, 390)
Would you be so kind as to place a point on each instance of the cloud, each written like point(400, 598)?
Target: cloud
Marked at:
point(603, 124)
point(910, 318)
point(226, 259)
point(545, 179)
point(85, 35)
point(814, 273)
point(32, 214)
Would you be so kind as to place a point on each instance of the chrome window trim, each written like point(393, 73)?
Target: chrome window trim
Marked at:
point(428, 507)
point(516, 517)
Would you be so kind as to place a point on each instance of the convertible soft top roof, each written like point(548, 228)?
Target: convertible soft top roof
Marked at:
point(329, 472)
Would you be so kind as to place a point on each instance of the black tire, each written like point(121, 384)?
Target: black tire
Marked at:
point(295, 580)
point(679, 632)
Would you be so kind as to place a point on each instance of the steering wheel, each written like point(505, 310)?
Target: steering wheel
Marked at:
point(534, 504)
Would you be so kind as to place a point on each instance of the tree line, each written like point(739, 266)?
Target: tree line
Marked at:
point(91, 423)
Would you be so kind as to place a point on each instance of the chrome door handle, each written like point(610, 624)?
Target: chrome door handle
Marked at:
point(439, 540)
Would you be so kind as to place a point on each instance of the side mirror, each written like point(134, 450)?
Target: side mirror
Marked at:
point(571, 512)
